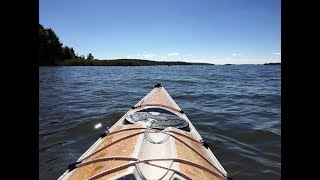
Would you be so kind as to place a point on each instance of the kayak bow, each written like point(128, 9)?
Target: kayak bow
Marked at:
point(153, 140)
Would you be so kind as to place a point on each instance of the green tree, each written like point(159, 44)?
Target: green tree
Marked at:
point(90, 57)
point(50, 47)
point(68, 53)
point(72, 53)
point(55, 52)
point(51, 51)
point(43, 47)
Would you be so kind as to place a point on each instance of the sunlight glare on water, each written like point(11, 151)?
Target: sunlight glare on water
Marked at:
point(97, 126)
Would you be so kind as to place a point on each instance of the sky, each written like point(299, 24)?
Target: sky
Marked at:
point(210, 31)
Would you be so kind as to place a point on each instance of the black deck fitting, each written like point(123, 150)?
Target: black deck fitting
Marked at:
point(72, 166)
point(206, 145)
point(158, 85)
point(182, 112)
point(104, 134)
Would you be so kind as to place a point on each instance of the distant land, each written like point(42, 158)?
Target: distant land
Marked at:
point(272, 64)
point(136, 62)
point(126, 62)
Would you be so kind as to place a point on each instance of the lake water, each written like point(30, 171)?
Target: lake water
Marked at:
point(236, 109)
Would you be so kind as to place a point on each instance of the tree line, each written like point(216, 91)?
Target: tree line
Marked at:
point(114, 62)
point(51, 50)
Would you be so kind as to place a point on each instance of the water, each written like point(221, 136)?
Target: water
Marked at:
point(236, 109)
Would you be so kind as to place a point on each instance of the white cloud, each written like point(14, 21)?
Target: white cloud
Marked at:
point(173, 54)
point(235, 54)
point(164, 57)
point(149, 55)
point(230, 60)
point(134, 56)
point(189, 55)
point(277, 53)
point(138, 56)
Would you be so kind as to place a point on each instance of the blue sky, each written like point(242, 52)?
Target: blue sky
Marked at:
point(214, 31)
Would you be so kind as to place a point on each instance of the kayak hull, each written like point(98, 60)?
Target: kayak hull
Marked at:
point(136, 151)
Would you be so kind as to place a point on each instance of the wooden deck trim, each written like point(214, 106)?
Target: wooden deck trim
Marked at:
point(189, 154)
point(122, 148)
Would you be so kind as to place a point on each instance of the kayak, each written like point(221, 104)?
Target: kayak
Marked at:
point(153, 140)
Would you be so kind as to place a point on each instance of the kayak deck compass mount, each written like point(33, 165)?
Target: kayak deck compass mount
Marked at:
point(157, 118)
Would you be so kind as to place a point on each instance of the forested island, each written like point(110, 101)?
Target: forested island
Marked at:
point(125, 62)
point(53, 53)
